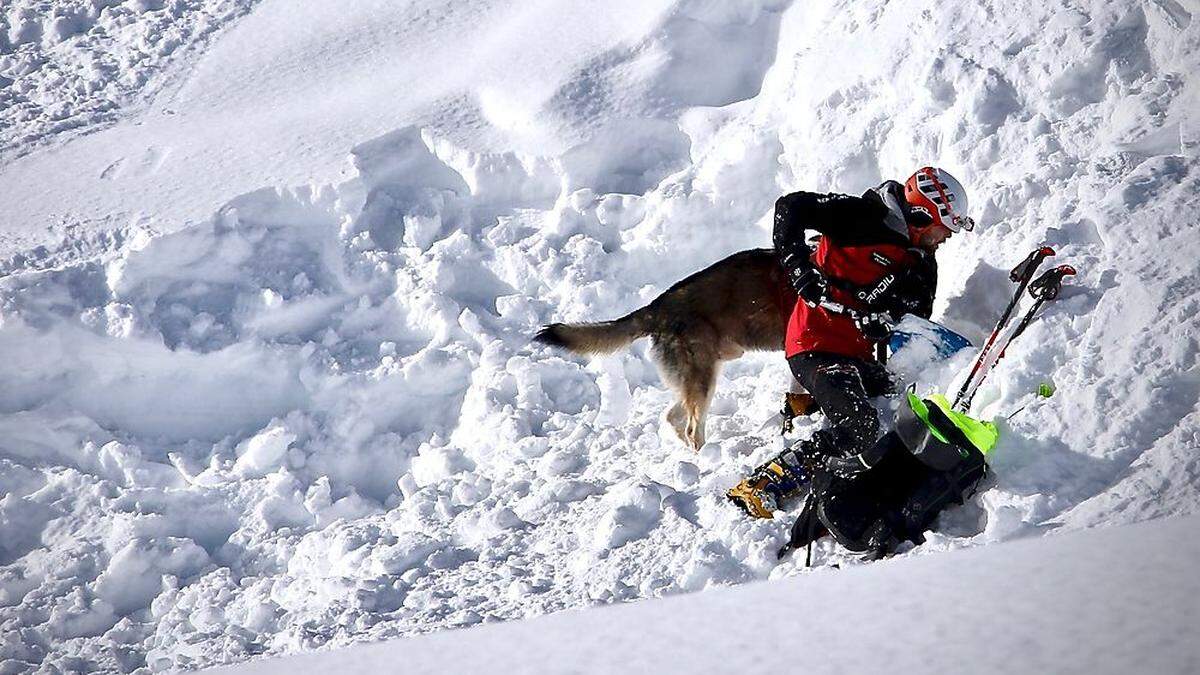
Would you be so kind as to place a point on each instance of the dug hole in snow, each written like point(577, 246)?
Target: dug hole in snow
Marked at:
point(273, 390)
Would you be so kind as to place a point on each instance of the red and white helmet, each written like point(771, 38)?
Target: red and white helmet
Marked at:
point(939, 195)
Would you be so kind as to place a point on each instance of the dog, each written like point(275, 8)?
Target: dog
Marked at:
point(738, 304)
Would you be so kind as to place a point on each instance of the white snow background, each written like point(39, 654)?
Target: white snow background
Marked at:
point(270, 270)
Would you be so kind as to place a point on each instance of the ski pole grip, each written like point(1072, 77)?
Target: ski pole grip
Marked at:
point(1047, 286)
point(1025, 268)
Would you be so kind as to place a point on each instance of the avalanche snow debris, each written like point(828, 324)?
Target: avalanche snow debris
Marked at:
point(315, 418)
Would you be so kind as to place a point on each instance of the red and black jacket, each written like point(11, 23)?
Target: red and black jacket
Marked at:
point(861, 242)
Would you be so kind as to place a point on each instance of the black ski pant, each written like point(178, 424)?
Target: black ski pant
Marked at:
point(843, 387)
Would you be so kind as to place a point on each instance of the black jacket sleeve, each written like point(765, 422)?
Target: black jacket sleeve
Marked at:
point(843, 218)
point(788, 236)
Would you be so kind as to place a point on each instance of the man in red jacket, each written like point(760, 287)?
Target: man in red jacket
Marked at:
point(872, 264)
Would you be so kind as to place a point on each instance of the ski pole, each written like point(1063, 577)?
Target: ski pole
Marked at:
point(1021, 274)
point(1044, 288)
point(811, 526)
point(816, 491)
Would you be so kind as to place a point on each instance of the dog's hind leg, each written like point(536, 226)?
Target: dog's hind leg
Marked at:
point(671, 359)
point(698, 384)
point(688, 361)
point(677, 418)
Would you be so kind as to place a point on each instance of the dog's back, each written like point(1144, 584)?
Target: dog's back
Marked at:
point(735, 305)
point(744, 298)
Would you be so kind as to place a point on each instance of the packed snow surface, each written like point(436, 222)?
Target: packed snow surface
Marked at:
point(269, 283)
point(67, 65)
point(1079, 603)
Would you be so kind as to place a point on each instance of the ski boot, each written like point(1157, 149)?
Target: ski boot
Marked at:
point(795, 405)
point(760, 494)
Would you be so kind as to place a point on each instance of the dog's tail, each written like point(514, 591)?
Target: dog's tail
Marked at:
point(593, 338)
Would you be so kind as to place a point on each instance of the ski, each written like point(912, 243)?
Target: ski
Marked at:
point(1021, 275)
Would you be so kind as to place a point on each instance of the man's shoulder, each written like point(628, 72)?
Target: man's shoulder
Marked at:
point(840, 198)
point(864, 221)
point(824, 197)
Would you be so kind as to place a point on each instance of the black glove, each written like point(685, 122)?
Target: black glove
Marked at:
point(906, 304)
point(809, 283)
point(875, 327)
point(913, 291)
point(908, 298)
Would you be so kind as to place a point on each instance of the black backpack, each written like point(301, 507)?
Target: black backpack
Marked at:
point(918, 476)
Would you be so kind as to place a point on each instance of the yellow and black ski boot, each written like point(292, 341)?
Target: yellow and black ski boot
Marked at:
point(796, 404)
point(760, 494)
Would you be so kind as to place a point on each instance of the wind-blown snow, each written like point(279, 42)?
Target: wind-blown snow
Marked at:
point(267, 376)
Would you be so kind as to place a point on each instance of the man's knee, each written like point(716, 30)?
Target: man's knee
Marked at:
point(842, 377)
point(855, 434)
point(837, 385)
point(877, 380)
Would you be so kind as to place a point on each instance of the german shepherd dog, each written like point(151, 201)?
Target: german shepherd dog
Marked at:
point(737, 304)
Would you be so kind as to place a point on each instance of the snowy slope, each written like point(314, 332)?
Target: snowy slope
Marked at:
point(71, 65)
point(284, 94)
point(1078, 603)
point(264, 329)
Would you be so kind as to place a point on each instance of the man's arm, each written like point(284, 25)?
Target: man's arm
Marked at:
point(833, 215)
point(788, 236)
